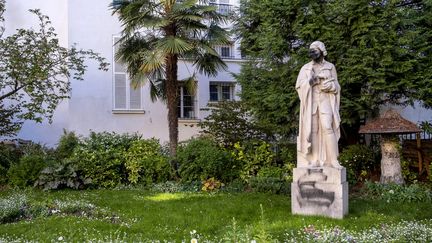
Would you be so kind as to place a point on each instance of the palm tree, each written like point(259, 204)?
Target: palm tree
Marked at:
point(156, 34)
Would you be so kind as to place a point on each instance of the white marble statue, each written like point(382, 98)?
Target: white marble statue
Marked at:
point(319, 92)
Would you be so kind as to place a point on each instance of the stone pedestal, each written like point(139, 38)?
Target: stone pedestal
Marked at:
point(319, 191)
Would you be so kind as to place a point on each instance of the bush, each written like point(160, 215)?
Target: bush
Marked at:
point(173, 186)
point(67, 143)
point(230, 122)
point(102, 157)
point(8, 156)
point(202, 158)
point(270, 185)
point(61, 175)
point(359, 161)
point(253, 156)
point(397, 193)
point(146, 163)
point(27, 171)
point(12, 207)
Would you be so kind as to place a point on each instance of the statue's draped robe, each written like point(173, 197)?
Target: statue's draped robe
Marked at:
point(305, 92)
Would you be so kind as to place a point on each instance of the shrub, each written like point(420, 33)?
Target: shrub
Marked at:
point(359, 161)
point(173, 186)
point(146, 163)
point(211, 185)
point(397, 193)
point(8, 156)
point(26, 172)
point(230, 122)
point(269, 185)
point(252, 156)
point(202, 158)
point(101, 157)
point(67, 143)
point(61, 175)
point(12, 207)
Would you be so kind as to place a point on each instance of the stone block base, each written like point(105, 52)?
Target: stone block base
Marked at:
point(319, 191)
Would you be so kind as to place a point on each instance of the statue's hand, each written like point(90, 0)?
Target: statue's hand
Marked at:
point(313, 81)
point(328, 87)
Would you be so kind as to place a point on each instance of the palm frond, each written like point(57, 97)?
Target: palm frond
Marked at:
point(129, 50)
point(173, 45)
point(217, 35)
point(152, 60)
point(209, 64)
point(184, 5)
point(158, 90)
point(190, 84)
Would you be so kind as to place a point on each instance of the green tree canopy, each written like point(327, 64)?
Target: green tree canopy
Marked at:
point(381, 50)
point(35, 72)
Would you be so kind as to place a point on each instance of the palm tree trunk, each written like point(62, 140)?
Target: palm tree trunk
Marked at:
point(172, 103)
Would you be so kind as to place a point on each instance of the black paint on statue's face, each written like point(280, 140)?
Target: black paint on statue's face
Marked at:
point(315, 54)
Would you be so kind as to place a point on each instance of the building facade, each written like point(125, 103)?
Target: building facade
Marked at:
point(105, 101)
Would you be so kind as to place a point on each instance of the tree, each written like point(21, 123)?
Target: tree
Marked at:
point(35, 72)
point(380, 49)
point(157, 34)
point(230, 122)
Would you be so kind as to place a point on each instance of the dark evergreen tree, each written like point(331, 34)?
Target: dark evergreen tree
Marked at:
point(380, 49)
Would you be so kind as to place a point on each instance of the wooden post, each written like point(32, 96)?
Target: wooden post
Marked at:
point(419, 153)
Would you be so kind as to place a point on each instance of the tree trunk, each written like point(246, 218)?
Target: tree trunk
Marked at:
point(391, 171)
point(172, 103)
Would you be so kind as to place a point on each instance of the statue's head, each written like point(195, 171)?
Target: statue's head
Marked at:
point(317, 50)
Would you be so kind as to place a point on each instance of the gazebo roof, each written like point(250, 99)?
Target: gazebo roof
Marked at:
point(389, 122)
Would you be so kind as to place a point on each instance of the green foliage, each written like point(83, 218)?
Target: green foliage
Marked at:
point(230, 122)
point(377, 47)
point(66, 145)
point(202, 158)
point(26, 171)
point(252, 157)
point(12, 207)
point(397, 193)
point(211, 185)
point(408, 175)
point(360, 161)
point(272, 185)
point(102, 157)
point(8, 156)
point(146, 163)
point(237, 185)
point(173, 187)
point(35, 72)
point(61, 175)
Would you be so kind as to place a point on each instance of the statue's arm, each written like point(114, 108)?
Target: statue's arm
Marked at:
point(336, 82)
point(332, 85)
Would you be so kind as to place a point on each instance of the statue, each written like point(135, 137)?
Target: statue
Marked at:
point(319, 93)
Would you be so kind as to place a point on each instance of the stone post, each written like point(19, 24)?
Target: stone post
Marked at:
point(391, 171)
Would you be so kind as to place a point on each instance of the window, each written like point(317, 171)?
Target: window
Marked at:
point(223, 6)
point(186, 105)
point(225, 51)
point(221, 91)
point(125, 96)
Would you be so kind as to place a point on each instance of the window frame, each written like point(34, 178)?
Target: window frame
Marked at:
point(181, 105)
point(129, 87)
point(219, 86)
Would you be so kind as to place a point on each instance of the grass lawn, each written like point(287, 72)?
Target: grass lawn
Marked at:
point(139, 215)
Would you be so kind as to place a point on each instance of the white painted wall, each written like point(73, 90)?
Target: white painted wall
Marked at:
point(91, 25)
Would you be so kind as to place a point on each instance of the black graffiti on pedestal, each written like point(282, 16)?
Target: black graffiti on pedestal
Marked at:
point(310, 195)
